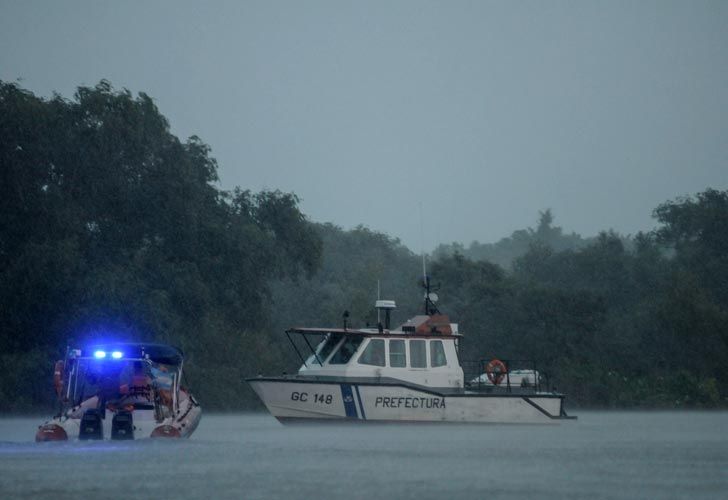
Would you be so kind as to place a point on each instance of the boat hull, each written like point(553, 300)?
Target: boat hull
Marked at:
point(145, 424)
point(292, 400)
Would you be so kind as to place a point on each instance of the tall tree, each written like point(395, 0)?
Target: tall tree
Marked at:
point(112, 226)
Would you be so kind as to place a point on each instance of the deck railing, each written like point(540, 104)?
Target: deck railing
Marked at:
point(476, 376)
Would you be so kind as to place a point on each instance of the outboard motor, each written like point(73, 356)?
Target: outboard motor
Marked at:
point(122, 425)
point(92, 426)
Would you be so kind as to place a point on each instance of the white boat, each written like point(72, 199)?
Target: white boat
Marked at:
point(121, 391)
point(411, 373)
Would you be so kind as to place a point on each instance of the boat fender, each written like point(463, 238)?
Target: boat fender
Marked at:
point(496, 371)
point(166, 431)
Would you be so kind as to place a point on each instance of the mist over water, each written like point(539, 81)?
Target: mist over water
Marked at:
point(602, 455)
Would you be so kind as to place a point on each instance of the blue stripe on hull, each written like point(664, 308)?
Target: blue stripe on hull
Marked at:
point(349, 404)
point(361, 406)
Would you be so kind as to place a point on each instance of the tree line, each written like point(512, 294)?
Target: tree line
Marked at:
point(643, 324)
point(113, 227)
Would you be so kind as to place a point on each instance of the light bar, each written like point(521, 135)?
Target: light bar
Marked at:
point(117, 354)
point(99, 354)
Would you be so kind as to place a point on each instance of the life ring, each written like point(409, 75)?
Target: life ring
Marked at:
point(496, 371)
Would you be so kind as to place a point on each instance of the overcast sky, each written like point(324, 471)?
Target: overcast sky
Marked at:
point(484, 112)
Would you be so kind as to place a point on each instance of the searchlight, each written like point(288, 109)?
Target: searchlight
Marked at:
point(99, 354)
point(116, 354)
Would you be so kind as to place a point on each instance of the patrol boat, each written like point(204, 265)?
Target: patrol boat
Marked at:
point(121, 391)
point(411, 373)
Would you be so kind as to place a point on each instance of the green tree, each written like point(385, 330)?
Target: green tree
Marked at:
point(113, 227)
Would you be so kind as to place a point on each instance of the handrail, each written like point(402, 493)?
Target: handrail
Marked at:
point(475, 370)
point(296, 349)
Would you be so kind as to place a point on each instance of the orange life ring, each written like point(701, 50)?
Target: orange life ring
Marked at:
point(496, 371)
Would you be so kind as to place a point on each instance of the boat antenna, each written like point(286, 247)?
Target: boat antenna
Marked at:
point(379, 296)
point(430, 298)
point(426, 285)
point(425, 279)
point(422, 247)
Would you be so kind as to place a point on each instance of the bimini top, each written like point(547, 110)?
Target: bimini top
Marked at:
point(158, 353)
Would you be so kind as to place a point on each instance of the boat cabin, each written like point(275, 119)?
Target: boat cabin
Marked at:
point(422, 351)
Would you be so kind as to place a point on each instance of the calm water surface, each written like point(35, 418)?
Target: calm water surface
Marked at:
point(602, 455)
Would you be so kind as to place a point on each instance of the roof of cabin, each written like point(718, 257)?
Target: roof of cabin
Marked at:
point(369, 333)
point(435, 325)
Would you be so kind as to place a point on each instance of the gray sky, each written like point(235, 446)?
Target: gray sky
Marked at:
point(486, 112)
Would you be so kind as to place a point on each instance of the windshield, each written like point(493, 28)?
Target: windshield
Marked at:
point(96, 378)
point(121, 382)
point(346, 351)
point(324, 348)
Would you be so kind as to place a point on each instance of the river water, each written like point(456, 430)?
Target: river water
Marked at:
point(602, 455)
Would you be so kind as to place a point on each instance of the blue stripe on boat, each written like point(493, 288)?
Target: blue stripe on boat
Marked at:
point(348, 398)
point(361, 406)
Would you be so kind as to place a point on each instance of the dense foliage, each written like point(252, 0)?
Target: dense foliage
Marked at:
point(612, 326)
point(613, 321)
point(358, 266)
point(505, 251)
point(111, 226)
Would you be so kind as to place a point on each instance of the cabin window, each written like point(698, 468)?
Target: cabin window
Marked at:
point(397, 354)
point(418, 355)
point(346, 351)
point(437, 354)
point(326, 347)
point(373, 354)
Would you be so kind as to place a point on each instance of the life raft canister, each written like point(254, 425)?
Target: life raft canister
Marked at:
point(496, 371)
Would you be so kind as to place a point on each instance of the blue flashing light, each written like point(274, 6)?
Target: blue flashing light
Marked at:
point(117, 354)
point(100, 354)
